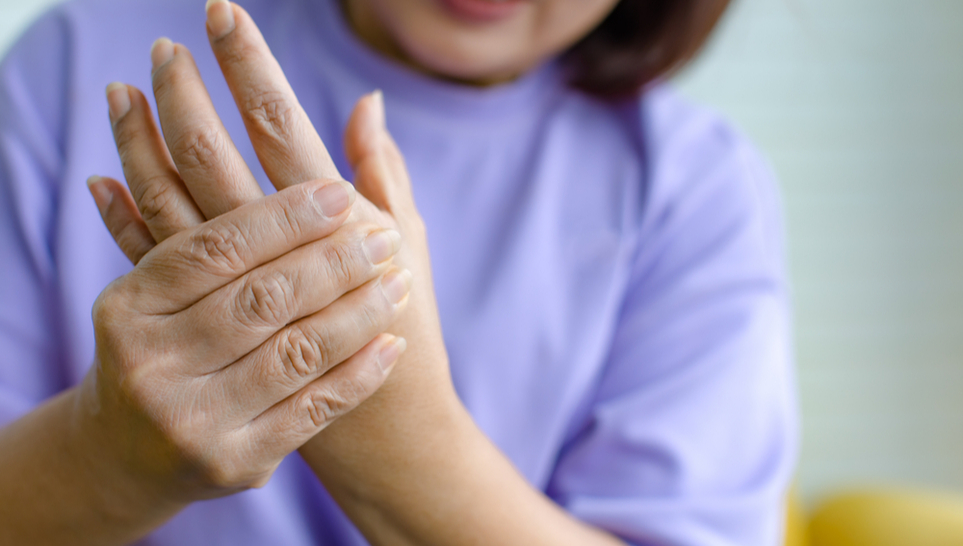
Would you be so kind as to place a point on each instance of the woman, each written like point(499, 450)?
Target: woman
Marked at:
point(606, 263)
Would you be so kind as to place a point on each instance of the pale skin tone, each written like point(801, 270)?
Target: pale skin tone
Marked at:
point(308, 290)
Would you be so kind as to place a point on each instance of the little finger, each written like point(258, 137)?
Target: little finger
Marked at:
point(119, 213)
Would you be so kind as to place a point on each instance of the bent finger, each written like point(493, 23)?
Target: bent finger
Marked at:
point(288, 146)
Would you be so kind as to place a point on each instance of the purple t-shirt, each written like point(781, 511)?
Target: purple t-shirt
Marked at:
point(610, 278)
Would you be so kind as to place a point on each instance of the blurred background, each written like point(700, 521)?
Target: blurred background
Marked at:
point(859, 106)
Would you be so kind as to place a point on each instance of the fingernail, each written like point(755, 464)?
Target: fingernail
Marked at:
point(378, 98)
point(334, 198)
point(396, 284)
point(381, 245)
point(220, 18)
point(390, 353)
point(118, 101)
point(102, 196)
point(161, 53)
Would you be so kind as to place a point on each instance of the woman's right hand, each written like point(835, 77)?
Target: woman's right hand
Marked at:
point(235, 341)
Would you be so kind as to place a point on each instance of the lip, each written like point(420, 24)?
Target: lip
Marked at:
point(482, 11)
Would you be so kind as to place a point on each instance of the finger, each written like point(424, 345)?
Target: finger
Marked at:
point(119, 213)
point(210, 165)
point(240, 316)
point(297, 355)
point(380, 172)
point(288, 425)
point(286, 142)
point(159, 194)
point(192, 264)
point(365, 128)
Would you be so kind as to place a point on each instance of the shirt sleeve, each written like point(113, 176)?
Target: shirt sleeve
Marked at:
point(691, 436)
point(32, 91)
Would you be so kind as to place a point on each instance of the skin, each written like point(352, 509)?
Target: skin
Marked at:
point(161, 423)
point(426, 37)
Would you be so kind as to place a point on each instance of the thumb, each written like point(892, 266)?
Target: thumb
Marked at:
point(379, 169)
point(365, 126)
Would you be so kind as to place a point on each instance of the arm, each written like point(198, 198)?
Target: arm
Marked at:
point(45, 468)
point(409, 466)
point(690, 438)
point(233, 376)
point(58, 488)
point(392, 467)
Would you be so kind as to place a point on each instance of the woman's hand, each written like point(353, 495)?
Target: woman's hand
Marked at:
point(408, 465)
point(263, 324)
point(203, 176)
point(234, 342)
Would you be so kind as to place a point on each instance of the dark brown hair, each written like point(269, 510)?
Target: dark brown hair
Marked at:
point(640, 41)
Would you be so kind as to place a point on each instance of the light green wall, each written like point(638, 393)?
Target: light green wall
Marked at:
point(859, 104)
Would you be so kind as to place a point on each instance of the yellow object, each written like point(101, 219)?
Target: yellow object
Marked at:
point(882, 518)
point(796, 534)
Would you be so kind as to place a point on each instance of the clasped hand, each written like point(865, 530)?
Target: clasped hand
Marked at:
point(249, 322)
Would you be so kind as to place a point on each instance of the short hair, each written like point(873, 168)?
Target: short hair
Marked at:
point(639, 42)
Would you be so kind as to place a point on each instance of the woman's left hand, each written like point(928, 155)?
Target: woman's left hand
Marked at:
point(408, 465)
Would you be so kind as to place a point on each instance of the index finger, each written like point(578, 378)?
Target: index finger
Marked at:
point(287, 145)
point(193, 263)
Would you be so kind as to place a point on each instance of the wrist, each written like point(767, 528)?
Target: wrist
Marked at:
point(121, 489)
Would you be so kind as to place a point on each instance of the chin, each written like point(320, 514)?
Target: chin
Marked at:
point(474, 64)
point(440, 44)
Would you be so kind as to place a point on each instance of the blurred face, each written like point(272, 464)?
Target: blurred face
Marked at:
point(477, 41)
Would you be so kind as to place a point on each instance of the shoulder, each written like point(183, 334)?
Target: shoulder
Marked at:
point(704, 177)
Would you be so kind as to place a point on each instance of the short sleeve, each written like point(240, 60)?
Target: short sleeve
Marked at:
point(691, 436)
point(32, 92)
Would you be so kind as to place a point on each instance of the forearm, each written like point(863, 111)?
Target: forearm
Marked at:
point(55, 488)
point(452, 486)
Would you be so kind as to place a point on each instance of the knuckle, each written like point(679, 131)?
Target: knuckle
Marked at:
point(339, 259)
point(218, 247)
point(208, 460)
point(270, 113)
point(289, 220)
point(323, 406)
point(136, 386)
point(219, 474)
point(376, 314)
point(155, 198)
point(109, 311)
point(105, 306)
point(267, 299)
point(201, 146)
point(300, 356)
